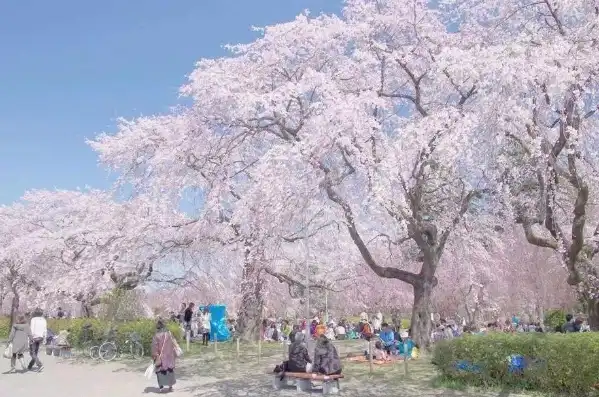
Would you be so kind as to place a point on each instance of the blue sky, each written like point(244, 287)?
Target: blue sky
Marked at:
point(69, 68)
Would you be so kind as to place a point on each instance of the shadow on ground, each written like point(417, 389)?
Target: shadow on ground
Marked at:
point(207, 373)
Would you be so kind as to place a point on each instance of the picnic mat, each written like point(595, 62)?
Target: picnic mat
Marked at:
point(363, 359)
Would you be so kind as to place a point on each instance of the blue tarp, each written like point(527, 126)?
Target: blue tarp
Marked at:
point(467, 366)
point(219, 330)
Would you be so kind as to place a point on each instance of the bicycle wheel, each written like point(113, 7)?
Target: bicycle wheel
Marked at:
point(94, 352)
point(108, 351)
point(137, 350)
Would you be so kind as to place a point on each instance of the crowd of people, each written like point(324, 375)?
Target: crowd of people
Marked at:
point(196, 322)
point(381, 340)
point(276, 330)
point(448, 329)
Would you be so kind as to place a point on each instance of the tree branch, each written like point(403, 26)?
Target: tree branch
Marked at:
point(381, 271)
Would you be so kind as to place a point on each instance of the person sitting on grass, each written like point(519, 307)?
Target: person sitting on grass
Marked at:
point(320, 330)
point(379, 352)
point(340, 331)
point(405, 348)
point(326, 358)
point(353, 333)
point(330, 332)
point(294, 331)
point(365, 329)
point(387, 338)
point(286, 330)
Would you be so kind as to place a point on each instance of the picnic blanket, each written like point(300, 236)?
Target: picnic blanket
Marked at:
point(363, 359)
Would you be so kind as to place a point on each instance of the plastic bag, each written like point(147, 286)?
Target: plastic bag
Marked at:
point(8, 351)
point(150, 371)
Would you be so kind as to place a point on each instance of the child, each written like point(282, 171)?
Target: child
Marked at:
point(379, 353)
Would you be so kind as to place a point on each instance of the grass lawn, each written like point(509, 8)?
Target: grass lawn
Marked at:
point(421, 379)
point(220, 373)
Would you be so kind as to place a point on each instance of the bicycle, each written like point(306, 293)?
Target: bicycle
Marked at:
point(91, 349)
point(109, 350)
point(136, 349)
point(88, 343)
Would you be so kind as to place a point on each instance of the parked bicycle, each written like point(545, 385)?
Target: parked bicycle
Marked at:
point(109, 350)
point(88, 344)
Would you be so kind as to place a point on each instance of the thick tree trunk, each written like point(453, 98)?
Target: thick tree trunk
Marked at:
point(86, 310)
point(14, 308)
point(421, 324)
point(249, 316)
point(592, 306)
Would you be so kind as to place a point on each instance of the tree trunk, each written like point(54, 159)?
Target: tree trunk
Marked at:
point(592, 306)
point(86, 309)
point(249, 316)
point(421, 325)
point(14, 308)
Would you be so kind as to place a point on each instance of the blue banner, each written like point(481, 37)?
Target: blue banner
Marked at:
point(219, 331)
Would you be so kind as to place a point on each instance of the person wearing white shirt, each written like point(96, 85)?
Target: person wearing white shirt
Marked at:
point(206, 327)
point(39, 331)
point(340, 332)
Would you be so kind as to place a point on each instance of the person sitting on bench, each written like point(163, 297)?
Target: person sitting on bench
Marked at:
point(326, 358)
point(299, 359)
point(63, 338)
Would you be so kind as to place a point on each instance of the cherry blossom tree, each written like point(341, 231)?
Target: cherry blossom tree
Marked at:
point(88, 243)
point(371, 117)
point(234, 215)
point(540, 84)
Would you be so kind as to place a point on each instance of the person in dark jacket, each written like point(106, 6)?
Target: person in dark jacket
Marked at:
point(293, 332)
point(326, 358)
point(188, 316)
point(570, 325)
point(298, 355)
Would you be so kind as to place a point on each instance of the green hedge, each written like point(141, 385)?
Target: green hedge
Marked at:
point(144, 327)
point(556, 363)
point(555, 318)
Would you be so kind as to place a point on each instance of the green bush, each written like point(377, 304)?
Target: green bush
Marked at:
point(555, 318)
point(145, 328)
point(558, 363)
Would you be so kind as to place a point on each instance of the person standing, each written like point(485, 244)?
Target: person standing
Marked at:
point(39, 332)
point(163, 355)
point(181, 314)
point(187, 317)
point(206, 327)
point(20, 335)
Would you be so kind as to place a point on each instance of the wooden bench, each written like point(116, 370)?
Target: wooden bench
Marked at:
point(303, 381)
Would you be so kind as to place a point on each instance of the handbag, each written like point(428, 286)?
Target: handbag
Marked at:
point(8, 351)
point(178, 350)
